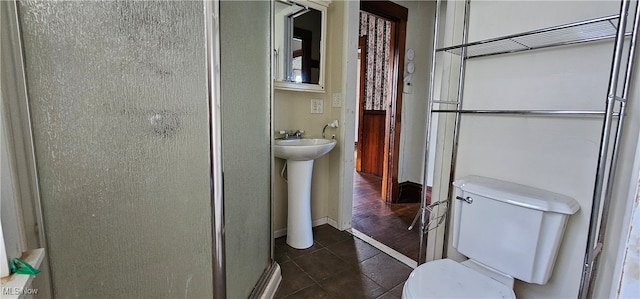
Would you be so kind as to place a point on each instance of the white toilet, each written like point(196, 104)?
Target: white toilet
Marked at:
point(506, 230)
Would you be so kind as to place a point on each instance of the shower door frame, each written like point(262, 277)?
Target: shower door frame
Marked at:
point(212, 36)
point(19, 136)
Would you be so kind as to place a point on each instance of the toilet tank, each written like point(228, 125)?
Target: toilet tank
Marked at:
point(509, 227)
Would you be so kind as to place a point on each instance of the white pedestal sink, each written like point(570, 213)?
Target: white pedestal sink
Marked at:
point(300, 154)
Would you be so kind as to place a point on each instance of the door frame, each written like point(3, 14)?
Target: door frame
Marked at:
point(19, 138)
point(398, 15)
point(362, 44)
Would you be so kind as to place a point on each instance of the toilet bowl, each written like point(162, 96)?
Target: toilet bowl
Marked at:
point(449, 279)
point(508, 231)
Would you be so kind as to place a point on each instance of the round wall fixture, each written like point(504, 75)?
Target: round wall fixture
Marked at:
point(410, 67)
point(410, 54)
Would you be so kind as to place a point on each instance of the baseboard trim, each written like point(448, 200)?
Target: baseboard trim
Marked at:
point(274, 282)
point(409, 192)
point(279, 233)
point(324, 220)
point(268, 284)
point(333, 223)
point(384, 248)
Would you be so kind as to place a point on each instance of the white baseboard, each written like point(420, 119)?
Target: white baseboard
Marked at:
point(384, 248)
point(324, 220)
point(333, 223)
point(272, 285)
point(279, 233)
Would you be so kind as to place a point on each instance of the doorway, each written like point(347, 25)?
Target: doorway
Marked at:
point(376, 212)
point(381, 47)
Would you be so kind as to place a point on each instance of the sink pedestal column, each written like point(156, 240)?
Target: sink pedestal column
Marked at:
point(299, 233)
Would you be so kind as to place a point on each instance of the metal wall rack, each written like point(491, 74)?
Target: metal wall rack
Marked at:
point(609, 27)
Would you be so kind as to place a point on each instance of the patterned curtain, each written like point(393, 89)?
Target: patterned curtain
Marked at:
point(377, 82)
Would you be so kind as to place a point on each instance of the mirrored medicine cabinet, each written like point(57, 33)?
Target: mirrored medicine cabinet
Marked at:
point(299, 48)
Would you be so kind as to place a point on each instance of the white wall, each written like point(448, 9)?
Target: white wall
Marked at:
point(414, 105)
point(623, 213)
point(557, 154)
point(292, 111)
point(630, 276)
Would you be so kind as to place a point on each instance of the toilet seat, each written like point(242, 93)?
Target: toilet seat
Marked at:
point(448, 279)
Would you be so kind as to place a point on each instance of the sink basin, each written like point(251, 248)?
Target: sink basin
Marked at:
point(302, 149)
point(300, 154)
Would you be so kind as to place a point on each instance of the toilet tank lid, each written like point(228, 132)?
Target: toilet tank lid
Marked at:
point(520, 195)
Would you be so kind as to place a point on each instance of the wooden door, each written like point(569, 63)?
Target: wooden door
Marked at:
point(372, 141)
point(371, 127)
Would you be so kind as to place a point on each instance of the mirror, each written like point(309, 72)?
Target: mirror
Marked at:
point(300, 29)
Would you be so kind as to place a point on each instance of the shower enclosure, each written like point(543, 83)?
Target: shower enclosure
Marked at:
point(127, 118)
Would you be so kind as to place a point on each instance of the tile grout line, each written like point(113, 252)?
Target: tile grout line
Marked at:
point(352, 235)
point(359, 263)
point(292, 260)
point(318, 282)
point(308, 275)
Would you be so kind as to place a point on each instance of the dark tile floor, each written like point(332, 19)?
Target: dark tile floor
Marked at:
point(386, 223)
point(338, 265)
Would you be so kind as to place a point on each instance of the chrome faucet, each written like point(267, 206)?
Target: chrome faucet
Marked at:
point(297, 134)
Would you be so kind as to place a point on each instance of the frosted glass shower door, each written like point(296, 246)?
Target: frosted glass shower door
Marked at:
point(118, 97)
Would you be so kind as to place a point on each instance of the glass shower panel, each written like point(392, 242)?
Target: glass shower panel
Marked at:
point(118, 96)
point(246, 90)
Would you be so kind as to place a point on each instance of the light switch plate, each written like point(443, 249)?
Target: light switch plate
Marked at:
point(336, 100)
point(317, 106)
